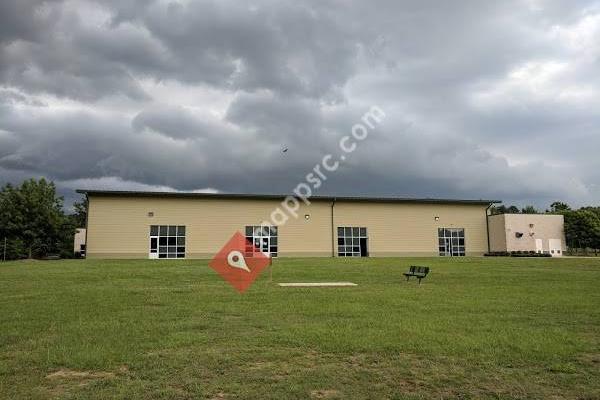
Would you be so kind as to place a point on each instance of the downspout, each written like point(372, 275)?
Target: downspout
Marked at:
point(332, 230)
point(87, 218)
point(487, 225)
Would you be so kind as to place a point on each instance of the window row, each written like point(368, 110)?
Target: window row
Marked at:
point(261, 230)
point(167, 230)
point(169, 241)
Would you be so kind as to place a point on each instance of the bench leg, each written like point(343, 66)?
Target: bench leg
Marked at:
point(420, 281)
point(407, 278)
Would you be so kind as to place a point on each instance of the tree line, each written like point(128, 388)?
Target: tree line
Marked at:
point(33, 223)
point(582, 226)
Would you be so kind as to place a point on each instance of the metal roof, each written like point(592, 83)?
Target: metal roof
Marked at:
point(246, 196)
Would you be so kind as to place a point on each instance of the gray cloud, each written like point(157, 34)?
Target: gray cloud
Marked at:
point(482, 99)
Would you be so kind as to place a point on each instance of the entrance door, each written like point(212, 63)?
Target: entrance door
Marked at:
point(262, 244)
point(539, 246)
point(448, 247)
point(364, 250)
point(153, 247)
point(555, 247)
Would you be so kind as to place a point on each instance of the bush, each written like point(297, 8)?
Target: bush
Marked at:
point(497, 254)
point(529, 253)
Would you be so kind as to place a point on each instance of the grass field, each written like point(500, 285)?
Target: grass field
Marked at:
point(476, 328)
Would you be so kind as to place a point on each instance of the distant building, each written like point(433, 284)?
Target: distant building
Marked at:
point(542, 233)
point(79, 242)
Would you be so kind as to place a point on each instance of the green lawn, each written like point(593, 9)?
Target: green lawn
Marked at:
point(476, 328)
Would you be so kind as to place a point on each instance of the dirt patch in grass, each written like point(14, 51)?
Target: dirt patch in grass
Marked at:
point(79, 375)
point(66, 373)
point(590, 358)
point(325, 394)
point(65, 380)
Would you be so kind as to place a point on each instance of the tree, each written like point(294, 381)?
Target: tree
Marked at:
point(495, 210)
point(32, 220)
point(559, 207)
point(502, 209)
point(529, 210)
point(582, 228)
point(79, 217)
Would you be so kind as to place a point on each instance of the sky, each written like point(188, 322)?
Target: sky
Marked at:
point(492, 100)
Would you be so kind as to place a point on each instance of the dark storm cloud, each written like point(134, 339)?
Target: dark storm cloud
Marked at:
point(482, 99)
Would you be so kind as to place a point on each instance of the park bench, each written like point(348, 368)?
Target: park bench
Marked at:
point(417, 271)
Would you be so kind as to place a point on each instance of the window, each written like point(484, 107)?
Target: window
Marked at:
point(167, 241)
point(451, 241)
point(261, 237)
point(352, 241)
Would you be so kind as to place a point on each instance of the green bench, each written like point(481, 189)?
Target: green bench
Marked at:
point(417, 271)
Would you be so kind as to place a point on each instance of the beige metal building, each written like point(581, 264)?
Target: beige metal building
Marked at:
point(542, 233)
point(197, 225)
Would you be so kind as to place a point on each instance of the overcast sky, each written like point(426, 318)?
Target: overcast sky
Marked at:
point(483, 99)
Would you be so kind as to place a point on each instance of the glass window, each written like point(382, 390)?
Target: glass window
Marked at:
point(264, 238)
point(349, 241)
point(451, 241)
point(171, 241)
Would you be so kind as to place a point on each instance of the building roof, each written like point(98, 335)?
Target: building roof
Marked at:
point(122, 193)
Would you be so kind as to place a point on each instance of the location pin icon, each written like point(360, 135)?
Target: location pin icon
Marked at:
point(235, 259)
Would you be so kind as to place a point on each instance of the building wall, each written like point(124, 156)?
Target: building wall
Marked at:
point(78, 240)
point(544, 227)
point(411, 229)
point(497, 233)
point(118, 227)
